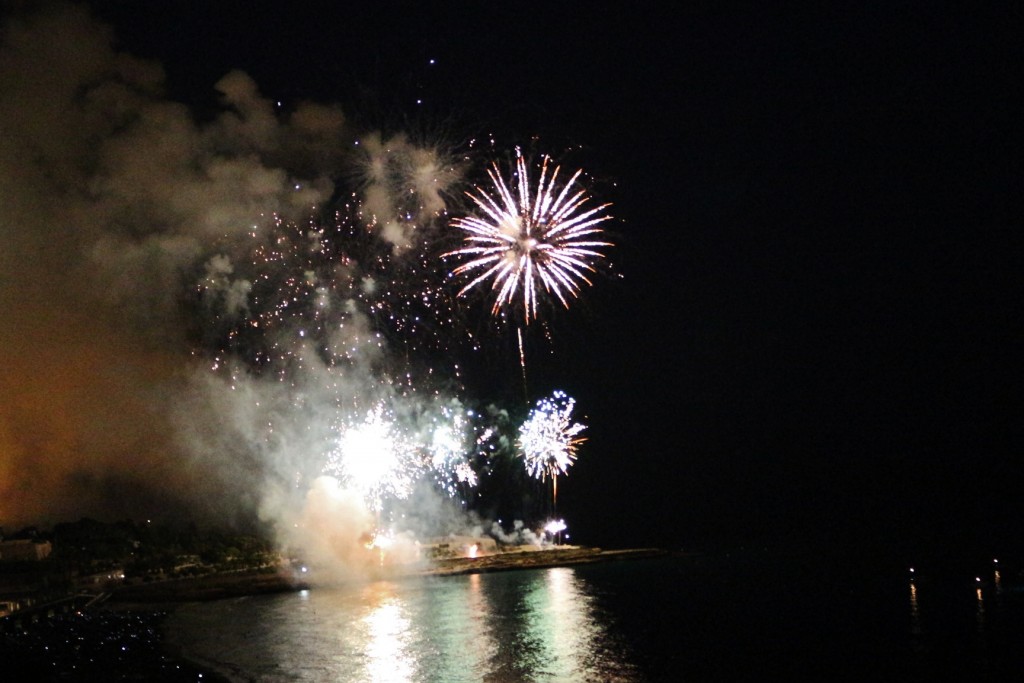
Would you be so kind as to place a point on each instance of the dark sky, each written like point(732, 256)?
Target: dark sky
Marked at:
point(817, 329)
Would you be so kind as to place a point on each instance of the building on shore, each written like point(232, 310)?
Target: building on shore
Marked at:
point(458, 546)
point(24, 550)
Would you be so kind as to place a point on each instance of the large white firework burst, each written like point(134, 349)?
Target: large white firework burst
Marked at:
point(537, 237)
point(383, 456)
point(549, 438)
point(376, 458)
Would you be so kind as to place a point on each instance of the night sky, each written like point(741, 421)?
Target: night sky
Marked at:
point(812, 329)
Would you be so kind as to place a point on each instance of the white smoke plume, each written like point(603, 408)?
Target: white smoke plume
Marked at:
point(519, 535)
point(393, 172)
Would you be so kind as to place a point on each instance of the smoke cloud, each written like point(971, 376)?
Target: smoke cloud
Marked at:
point(116, 206)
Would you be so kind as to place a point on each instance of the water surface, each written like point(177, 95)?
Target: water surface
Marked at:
point(506, 626)
point(734, 618)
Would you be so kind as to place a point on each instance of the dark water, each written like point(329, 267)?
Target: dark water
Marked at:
point(752, 616)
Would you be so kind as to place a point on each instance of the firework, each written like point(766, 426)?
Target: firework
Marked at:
point(465, 474)
point(446, 449)
point(384, 456)
point(335, 313)
point(376, 459)
point(537, 237)
point(555, 526)
point(548, 439)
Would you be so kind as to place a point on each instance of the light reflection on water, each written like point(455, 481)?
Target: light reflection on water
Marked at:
point(511, 626)
point(916, 634)
point(384, 634)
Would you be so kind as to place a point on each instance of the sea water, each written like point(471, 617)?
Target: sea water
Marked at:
point(733, 617)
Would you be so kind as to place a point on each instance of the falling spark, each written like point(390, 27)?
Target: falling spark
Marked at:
point(465, 474)
point(324, 289)
point(541, 237)
point(522, 360)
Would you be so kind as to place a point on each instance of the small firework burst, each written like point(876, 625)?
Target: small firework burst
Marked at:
point(548, 440)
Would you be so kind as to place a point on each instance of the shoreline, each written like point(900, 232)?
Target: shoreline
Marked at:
point(537, 559)
point(261, 581)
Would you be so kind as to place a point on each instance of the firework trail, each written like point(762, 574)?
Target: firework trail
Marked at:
point(529, 238)
point(549, 439)
point(522, 361)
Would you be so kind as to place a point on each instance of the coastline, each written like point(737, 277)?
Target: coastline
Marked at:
point(166, 594)
point(537, 559)
point(258, 582)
